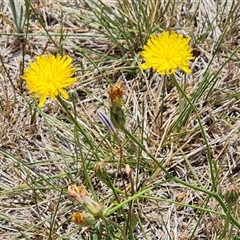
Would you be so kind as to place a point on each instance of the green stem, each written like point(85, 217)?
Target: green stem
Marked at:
point(77, 125)
point(73, 119)
point(109, 222)
point(227, 221)
point(181, 104)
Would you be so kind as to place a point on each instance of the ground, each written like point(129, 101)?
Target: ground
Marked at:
point(42, 152)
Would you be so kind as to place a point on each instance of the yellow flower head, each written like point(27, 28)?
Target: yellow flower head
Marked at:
point(167, 52)
point(49, 75)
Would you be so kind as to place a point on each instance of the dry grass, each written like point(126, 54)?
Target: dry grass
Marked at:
point(39, 160)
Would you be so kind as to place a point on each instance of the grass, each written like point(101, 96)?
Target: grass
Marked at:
point(168, 174)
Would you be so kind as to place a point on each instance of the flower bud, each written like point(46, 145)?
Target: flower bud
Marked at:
point(83, 219)
point(101, 172)
point(116, 92)
point(79, 193)
point(232, 195)
point(117, 117)
point(92, 206)
point(73, 97)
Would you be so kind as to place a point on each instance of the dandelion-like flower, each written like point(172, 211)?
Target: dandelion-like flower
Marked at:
point(49, 75)
point(167, 52)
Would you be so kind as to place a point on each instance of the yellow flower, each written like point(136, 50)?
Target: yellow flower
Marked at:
point(167, 52)
point(49, 75)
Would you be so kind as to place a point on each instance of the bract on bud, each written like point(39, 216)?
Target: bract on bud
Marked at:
point(107, 122)
point(232, 195)
point(101, 172)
